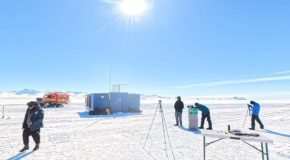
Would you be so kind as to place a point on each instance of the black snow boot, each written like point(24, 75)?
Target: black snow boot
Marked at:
point(36, 147)
point(26, 147)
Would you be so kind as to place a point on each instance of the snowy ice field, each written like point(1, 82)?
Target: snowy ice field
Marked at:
point(70, 133)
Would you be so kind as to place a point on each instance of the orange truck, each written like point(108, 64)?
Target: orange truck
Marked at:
point(54, 99)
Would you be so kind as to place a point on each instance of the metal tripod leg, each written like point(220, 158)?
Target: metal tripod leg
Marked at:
point(203, 147)
point(151, 125)
point(262, 150)
point(267, 151)
point(245, 118)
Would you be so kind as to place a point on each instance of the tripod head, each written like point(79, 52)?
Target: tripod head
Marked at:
point(250, 107)
point(160, 105)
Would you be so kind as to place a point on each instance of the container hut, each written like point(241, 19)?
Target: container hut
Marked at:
point(113, 102)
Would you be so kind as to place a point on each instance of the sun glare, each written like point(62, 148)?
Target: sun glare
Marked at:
point(133, 7)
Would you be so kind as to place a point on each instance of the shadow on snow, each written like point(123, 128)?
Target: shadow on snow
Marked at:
point(192, 131)
point(115, 115)
point(20, 156)
point(277, 133)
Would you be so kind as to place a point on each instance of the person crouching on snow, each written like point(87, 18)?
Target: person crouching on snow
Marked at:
point(204, 114)
point(31, 125)
point(255, 108)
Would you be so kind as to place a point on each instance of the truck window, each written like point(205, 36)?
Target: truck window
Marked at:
point(50, 96)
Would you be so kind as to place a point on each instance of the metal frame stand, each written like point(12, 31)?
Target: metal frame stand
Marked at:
point(246, 117)
point(164, 129)
point(264, 153)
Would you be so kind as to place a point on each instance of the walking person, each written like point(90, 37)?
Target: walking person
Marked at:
point(31, 125)
point(205, 114)
point(255, 108)
point(178, 106)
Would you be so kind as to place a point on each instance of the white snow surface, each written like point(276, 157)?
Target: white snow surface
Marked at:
point(70, 133)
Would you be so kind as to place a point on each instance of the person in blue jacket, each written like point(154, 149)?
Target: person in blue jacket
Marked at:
point(205, 114)
point(255, 108)
point(31, 125)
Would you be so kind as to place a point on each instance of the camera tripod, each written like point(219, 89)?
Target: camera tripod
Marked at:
point(164, 129)
point(248, 111)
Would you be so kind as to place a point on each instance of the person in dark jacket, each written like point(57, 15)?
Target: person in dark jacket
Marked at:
point(205, 114)
point(178, 106)
point(31, 125)
point(255, 108)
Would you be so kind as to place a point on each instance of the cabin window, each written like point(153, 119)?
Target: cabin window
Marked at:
point(101, 97)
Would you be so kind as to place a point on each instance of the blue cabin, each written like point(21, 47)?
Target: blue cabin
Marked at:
point(113, 102)
point(133, 102)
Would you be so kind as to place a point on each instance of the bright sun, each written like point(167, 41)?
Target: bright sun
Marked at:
point(133, 7)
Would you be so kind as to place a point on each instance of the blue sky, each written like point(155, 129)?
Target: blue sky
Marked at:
point(185, 47)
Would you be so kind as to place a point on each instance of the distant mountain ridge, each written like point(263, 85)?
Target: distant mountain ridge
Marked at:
point(220, 98)
point(153, 96)
point(26, 91)
point(193, 98)
point(32, 92)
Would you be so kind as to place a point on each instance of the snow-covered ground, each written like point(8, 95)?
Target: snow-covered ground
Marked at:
point(70, 133)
